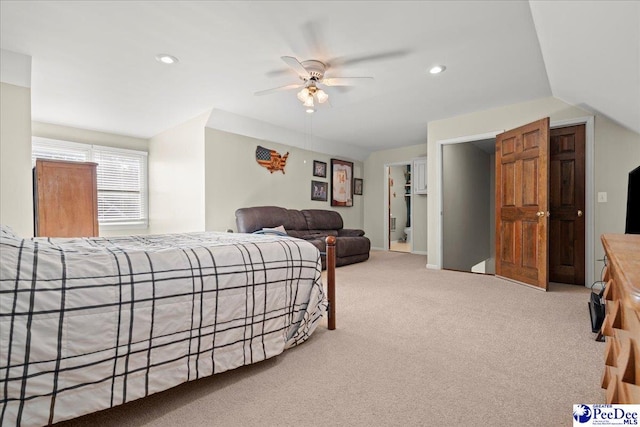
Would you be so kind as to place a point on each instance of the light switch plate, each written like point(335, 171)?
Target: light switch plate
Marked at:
point(602, 197)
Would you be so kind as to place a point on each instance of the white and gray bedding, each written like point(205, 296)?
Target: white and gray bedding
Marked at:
point(91, 323)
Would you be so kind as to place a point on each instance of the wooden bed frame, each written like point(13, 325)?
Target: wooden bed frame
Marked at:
point(331, 282)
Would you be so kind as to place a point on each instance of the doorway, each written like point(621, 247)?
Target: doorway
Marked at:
point(399, 209)
point(567, 205)
point(468, 206)
point(570, 238)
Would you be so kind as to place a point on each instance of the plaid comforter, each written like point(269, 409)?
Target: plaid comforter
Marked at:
point(87, 324)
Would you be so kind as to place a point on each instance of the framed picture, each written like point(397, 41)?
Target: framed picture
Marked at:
point(319, 169)
point(357, 186)
point(319, 191)
point(341, 183)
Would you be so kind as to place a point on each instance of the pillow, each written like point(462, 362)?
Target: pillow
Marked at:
point(279, 228)
point(6, 231)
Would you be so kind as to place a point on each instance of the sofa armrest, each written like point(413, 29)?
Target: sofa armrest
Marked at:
point(350, 232)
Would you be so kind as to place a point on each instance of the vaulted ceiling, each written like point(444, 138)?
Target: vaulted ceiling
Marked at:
point(94, 66)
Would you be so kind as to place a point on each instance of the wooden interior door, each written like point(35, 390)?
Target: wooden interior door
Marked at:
point(567, 203)
point(522, 180)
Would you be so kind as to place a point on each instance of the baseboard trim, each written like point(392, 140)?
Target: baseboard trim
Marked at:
point(373, 248)
point(432, 267)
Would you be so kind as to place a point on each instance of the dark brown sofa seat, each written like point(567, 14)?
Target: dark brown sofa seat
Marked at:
point(313, 225)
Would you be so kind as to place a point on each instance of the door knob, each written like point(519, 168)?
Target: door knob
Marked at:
point(579, 213)
point(539, 214)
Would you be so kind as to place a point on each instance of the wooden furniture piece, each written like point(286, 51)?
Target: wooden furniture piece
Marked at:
point(621, 325)
point(65, 199)
point(331, 282)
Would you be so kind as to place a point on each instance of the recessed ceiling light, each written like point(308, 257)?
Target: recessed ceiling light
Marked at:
point(437, 69)
point(166, 59)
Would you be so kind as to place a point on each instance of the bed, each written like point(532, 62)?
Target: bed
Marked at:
point(90, 323)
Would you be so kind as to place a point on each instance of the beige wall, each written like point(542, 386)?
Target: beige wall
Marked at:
point(85, 136)
point(374, 202)
point(176, 178)
point(234, 179)
point(617, 151)
point(16, 200)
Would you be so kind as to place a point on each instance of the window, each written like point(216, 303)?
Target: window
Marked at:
point(122, 178)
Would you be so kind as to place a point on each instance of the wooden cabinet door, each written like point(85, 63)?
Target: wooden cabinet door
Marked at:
point(419, 176)
point(522, 204)
point(66, 199)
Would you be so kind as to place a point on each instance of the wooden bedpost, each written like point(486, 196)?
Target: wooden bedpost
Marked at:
point(331, 281)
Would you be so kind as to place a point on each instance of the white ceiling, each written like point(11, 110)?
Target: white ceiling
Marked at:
point(93, 63)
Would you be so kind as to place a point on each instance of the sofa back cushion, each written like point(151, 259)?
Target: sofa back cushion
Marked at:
point(256, 218)
point(321, 219)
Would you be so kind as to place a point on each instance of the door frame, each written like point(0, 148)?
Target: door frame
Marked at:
point(385, 209)
point(588, 121)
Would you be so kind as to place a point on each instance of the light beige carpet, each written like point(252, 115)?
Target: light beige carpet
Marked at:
point(412, 347)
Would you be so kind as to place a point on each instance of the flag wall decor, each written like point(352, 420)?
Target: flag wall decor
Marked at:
point(271, 159)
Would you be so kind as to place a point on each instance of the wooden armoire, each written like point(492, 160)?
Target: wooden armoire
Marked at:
point(65, 199)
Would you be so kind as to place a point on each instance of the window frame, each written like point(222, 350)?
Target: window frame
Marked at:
point(90, 150)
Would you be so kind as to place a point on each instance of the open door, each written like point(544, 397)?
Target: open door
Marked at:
point(522, 204)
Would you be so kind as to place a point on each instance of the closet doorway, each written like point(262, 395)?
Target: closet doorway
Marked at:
point(468, 206)
point(399, 207)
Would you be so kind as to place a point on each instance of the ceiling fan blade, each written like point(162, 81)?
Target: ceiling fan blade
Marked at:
point(344, 81)
point(314, 34)
point(278, 89)
point(345, 61)
point(297, 66)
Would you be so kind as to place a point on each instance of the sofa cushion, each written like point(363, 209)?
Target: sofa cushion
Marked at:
point(322, 234)
point(298, 234)
point(321, 219)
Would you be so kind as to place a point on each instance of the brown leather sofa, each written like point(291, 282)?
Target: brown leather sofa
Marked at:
point(313, 225)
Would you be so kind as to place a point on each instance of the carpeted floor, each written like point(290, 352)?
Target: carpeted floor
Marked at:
point(413, 347)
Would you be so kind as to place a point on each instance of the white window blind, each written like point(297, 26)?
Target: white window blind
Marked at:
point(121, 176)
point(60, 151)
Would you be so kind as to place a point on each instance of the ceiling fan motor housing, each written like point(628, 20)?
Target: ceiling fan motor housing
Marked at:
point(314, 68)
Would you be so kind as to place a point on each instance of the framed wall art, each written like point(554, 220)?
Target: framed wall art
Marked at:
point(319, 191)
point(357, 186)
point(341, 183)
point(319, 169)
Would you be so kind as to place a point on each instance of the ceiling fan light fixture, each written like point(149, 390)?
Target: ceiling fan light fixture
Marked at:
point(437, 69)
point(310, 110)
point(303, 94)
point(322, 96)
point(309, 102)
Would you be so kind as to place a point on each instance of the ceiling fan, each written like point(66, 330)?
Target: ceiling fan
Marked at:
point(311, 72)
